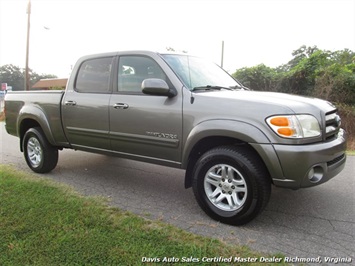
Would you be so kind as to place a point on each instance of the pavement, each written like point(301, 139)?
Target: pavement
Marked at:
point(306, 223)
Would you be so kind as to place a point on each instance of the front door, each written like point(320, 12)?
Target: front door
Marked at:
point(144, 126)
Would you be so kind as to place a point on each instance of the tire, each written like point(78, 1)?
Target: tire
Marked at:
point(231, 184)
point(40, 155)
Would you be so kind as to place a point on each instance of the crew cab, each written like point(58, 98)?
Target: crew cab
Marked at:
point(182, 111)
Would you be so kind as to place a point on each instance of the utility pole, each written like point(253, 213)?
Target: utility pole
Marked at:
point(27, 75)
point(222, 56)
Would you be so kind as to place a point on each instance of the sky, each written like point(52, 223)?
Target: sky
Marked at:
point(254, 32)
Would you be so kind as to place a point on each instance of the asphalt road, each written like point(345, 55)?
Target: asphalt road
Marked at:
point(311, 222)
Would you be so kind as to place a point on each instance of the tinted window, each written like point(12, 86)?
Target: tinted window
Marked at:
point(132, 70)
point(94, 75)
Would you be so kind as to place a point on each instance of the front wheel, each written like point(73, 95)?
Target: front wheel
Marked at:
point(40, 155)
point(231, 184)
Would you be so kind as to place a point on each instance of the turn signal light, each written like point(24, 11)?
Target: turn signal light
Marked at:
point(280, 121)
point(286, 131)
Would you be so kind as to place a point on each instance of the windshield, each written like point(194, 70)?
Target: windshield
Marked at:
point(197, 72)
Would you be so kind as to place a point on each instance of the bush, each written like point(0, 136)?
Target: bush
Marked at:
point(260, 77)
point(347, 114)
point(336, 83)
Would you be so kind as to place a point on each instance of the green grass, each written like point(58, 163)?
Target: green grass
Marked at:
point(44, 223)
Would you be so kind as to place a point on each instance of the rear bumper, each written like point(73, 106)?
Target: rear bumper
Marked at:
point(310, 165)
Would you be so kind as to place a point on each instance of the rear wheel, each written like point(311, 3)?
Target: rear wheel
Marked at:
point(231, 184)
point(40, 155)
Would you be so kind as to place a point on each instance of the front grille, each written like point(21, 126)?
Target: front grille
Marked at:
point(332, 124)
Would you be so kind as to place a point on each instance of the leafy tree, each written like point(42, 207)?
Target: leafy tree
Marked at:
point(343, 57)
point(15, 76)
point(171, 49)
point(301, 77)
point(311, 72)
point(336, 83)
point(260, 77)
point(300, 54)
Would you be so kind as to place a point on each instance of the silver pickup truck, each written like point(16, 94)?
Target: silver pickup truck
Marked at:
point(182, 111)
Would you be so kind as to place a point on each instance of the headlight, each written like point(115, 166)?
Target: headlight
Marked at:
point(294, 126)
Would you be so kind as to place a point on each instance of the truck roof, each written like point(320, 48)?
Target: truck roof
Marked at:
point(130, 52)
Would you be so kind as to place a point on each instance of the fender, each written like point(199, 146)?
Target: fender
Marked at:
point(34, 113)
point(235, 129)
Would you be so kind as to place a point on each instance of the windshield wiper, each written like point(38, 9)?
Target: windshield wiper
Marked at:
point(240, 87)
point(210, 87)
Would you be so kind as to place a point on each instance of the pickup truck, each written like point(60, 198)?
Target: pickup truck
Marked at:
point(182, 111)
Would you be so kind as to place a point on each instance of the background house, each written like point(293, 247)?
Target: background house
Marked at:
point(50, 84)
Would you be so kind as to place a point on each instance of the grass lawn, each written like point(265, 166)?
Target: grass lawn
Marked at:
point(44, 223)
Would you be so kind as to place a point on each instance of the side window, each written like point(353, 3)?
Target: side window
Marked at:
point(132, 70)
point(94, 76)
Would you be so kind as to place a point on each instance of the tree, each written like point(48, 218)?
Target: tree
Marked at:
point(301, 77)
point(15, 77)
point(171, 49)
point(336, 83)
point(343, 57)
point(300, 54)
point(260, 77)
point(311, 72)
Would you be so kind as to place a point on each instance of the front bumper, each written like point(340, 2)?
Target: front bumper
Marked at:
point(312, 164)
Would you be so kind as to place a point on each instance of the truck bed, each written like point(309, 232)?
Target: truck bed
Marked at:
point(32, 104)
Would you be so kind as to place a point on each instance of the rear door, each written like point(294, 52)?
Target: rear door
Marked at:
point(144, 126)
point(85, 107)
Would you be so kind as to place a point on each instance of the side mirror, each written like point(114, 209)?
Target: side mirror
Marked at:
point(157, 87)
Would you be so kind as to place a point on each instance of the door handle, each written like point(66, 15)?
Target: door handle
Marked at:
point(71, 103)
point(120, 106)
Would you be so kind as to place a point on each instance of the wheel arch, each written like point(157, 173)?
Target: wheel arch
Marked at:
point(31, 120)
point(215, 133)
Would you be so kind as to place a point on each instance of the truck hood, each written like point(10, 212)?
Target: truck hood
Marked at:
point(296, 104)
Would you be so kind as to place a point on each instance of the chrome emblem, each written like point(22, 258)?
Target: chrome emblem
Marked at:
point(162, 135)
